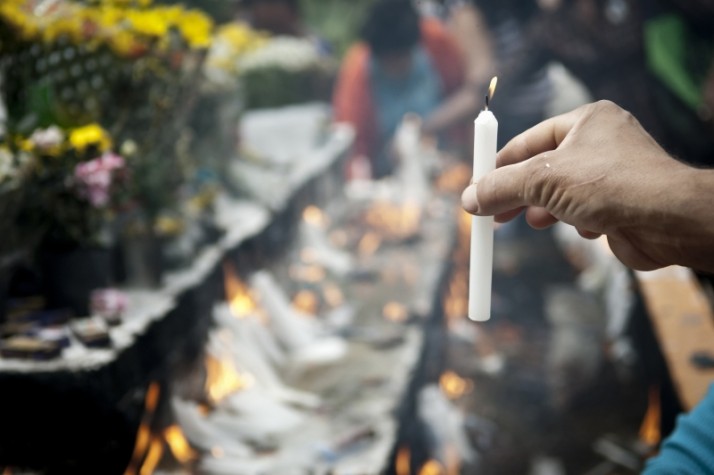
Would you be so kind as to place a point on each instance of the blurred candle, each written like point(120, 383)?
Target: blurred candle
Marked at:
point(481, 265)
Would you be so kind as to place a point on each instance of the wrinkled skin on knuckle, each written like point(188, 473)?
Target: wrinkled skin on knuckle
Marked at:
point(606, 106)
point(541, 182)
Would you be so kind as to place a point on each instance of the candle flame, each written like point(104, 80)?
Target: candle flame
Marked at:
point(492, 87)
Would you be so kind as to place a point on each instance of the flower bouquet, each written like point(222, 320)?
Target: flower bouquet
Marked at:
point(75, 188)
point(128, 65)
point(284, 71)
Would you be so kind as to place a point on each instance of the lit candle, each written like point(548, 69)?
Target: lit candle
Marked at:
point(481, 265)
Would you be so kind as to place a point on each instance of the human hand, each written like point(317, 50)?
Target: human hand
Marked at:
point(359, 168)
point(598, 170)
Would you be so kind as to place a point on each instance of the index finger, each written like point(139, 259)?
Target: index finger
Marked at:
point(540, 138)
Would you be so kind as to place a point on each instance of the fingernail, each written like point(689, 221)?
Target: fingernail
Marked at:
point(469, 199)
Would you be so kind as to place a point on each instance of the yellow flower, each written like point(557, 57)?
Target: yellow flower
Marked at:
point(70, 26)
point(148, 22)
point(26, 145)
point(108, 17)
point(170, 14)
point(92, 134)
point(25, 23)
point(124, 43)
point(241, 37)
point(196, 28)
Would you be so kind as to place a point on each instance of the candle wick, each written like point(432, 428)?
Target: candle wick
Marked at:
point(486, 100)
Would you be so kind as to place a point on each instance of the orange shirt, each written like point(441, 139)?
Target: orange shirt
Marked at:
point(352, 101)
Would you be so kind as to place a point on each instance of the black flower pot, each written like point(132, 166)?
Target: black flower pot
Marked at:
point(141, 261)
point(70, 276)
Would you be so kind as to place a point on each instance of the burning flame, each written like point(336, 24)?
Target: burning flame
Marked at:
point(454, 386)
point(149, 447)
point(456, 294)
point(393, 220)
point(456, 302)
point(455, 178)
point(402, 463)
point(432, 467)
point(240, 299)
point(153, 457)
point(222, 379)
point(492, 87)
point(314, 215)
point(395, 312)
point(410, 217)
point(650, 432)
point(306, 301)
point(178, 445)
point(369, 244)
point(143, 434)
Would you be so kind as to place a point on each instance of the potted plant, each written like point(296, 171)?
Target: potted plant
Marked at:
point(76, 187)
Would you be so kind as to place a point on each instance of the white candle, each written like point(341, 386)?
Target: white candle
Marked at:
point(481, 261)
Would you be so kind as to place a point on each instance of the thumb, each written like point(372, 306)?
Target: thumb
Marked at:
point(500, 191)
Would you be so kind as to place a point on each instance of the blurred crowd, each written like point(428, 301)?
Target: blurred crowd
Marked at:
point(435, 58)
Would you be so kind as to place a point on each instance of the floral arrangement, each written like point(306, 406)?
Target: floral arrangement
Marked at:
point(118, 123)
point(128, 28)
point(283, 52)
point(285, 70)
point(231, 42)
point(130, 65)
point(66, 62)
point(77, 182)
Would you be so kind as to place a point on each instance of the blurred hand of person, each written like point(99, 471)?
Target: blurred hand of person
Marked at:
point(598, 170)
point(359, 169)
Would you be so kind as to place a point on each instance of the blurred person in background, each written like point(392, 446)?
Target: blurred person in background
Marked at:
point(679, 46)
point(405, 64)
point(282, 18)
point(601, 43)
point(495, 37)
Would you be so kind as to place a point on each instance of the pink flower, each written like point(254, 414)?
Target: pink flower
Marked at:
point(95, 178)
point(109, 303)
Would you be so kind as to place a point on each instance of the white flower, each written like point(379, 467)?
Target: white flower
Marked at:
point(45, 139)
point(285, 52)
